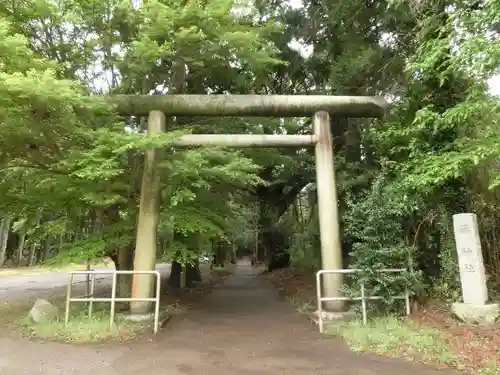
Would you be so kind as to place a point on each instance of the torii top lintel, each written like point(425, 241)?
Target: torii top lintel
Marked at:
point(251, 105)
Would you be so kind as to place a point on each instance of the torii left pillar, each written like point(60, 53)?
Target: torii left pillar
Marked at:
point(147, 221)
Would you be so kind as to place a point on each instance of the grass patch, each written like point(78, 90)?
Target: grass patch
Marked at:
point(81, 328)
point(389, 334)
point(11, 310)
point(490, 369)
point(399, 338)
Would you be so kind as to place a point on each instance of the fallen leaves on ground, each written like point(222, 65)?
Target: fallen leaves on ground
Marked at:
point(294, 282)
point(477, 348)
point(479, 345)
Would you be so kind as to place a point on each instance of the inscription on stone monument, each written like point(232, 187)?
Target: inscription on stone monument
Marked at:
point(466, 250)
point(470, 259)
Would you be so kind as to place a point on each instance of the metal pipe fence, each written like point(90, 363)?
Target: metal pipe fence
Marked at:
point(90, 299)
point(363, 297)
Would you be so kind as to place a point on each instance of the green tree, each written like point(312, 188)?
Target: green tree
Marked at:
point(97, 165)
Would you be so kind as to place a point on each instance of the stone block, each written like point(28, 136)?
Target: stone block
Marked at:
point(330, 317)
point(43, 311)
point(476, 314)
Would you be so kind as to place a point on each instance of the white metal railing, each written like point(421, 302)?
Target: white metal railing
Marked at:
point(363, 297)
point(89, 297)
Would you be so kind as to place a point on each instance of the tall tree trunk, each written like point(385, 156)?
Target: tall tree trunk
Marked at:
point(60, 244)
point(33, 246)
point(264, 250)
point(4, 236)
point(45, 249)
point(192, 276)
point(174, 279)
point(178, 87)
point(218, 253)
point(232, 257)
point(20, 247)
point(124, 261)
point(32, 255)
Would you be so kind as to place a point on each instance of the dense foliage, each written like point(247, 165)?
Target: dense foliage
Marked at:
point(71, 168)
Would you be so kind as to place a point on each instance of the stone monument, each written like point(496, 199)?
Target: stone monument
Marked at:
point(475, 308)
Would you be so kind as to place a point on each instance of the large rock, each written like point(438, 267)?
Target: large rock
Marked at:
point(43, 311)
point(332, 317)
point(476, 314)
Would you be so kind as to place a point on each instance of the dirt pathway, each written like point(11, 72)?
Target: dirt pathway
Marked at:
point(242, 328)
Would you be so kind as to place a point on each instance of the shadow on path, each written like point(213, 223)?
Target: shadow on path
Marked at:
point(241, 328)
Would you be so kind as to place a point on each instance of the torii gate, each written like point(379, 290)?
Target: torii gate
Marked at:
point(318, 106)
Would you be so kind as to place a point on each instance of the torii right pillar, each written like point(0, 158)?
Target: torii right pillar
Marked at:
point(329, 224)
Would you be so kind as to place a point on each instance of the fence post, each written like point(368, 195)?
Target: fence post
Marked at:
point(183, 276)
point(68, 299)
point(320, 303)
point(113, 296)
point(157, 307)
point(407, 301)
point(92, 289)
point(363, 303)
point(87, 278)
